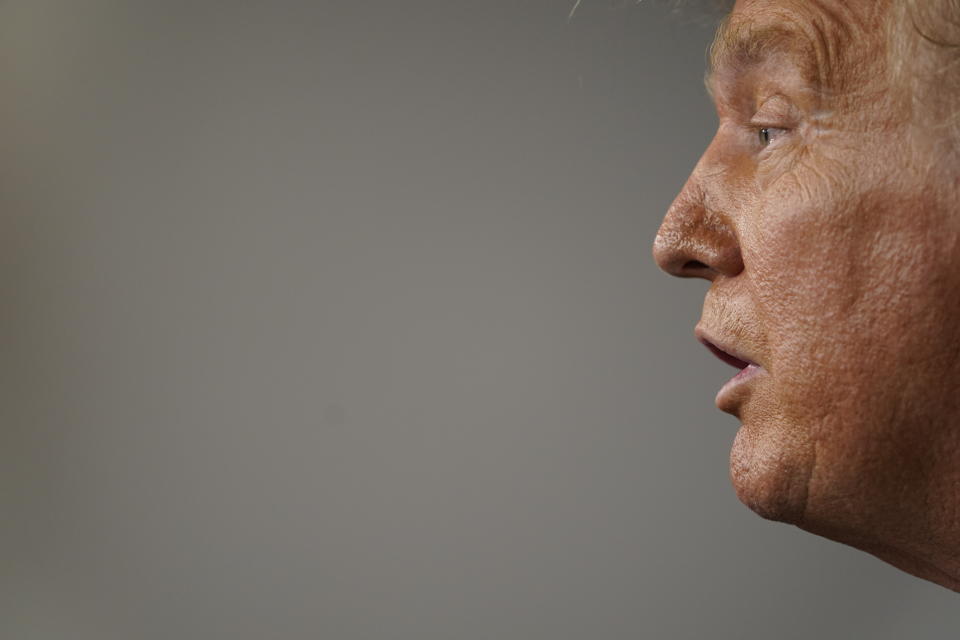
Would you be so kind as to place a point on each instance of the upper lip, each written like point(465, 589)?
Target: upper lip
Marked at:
point(724, 350)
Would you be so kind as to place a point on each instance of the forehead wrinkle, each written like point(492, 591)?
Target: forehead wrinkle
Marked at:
point(742, 45)
point(813, 38)
point(830, 29)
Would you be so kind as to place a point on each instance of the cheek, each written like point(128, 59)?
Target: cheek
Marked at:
point(857, 294)
point(805, 257)
point(846, 283)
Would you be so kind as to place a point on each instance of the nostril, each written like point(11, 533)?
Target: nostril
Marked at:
point(695, 265)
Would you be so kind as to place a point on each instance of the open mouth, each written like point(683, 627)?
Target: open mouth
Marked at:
point(730, 359)
point(731, 395)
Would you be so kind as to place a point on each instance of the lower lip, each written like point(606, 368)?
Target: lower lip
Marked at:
point(727, 396)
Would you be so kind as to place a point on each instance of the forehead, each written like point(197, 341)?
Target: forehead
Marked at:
point(826, 39)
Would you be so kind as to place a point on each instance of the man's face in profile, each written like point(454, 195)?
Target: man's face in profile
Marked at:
point(824, 215)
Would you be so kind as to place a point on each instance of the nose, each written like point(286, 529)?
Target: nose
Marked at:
point(697, 240)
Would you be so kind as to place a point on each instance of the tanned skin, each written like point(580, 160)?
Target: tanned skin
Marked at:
point(826, 215)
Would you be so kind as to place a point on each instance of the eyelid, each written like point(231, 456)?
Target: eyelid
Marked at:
point(775, 111)
point(776, 116)
point(759, 126)
point(771, 121)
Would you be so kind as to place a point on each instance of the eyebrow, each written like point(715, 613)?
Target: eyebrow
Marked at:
point(740, 46)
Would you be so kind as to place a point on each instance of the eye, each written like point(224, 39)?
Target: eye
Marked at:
point(767, 135)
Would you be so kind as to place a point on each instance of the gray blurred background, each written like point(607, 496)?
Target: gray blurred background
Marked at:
point(338, 320)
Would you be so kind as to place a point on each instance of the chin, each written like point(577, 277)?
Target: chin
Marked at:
point(770, 473)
